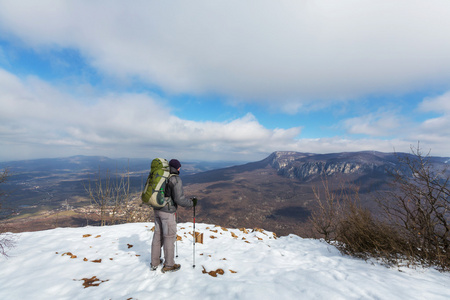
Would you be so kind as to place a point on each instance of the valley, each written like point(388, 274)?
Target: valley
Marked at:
point(275, 193)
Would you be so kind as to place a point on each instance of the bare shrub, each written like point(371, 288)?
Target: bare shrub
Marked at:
point(111, 196)
point(3, 177)
point(113, 199)
point(360, 234)
point(414, 225)
point(7, 240)
point(419, 205)
point(325, 217)
point(342, 221)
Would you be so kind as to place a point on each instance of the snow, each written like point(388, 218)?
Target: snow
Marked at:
point(256, 265)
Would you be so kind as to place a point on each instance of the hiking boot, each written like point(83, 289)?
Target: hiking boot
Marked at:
point(175, 267)
point(153, 268)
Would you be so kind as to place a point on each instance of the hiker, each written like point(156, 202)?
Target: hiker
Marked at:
point(165, 222)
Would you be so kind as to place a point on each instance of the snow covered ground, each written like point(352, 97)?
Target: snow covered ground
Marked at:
point(113, 263)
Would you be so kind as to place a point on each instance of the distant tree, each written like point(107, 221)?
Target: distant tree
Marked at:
point(6, 239)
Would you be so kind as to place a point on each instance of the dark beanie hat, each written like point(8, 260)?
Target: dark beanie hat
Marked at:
point(175, 163)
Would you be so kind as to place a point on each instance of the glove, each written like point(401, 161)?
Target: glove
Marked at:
point(194, 201)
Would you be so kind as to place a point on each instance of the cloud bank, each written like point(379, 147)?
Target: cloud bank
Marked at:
point(38, 119)
point(298, 53)
point(135, 124)
point(286, 56)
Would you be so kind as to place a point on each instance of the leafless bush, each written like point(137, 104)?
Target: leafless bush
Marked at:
point(3, 177)
point(111, 196)
point(362, 235)
point(6, 239)
point(114, 201)
point(325, 217)
point(340, 219)
point(419, 204)
point(414, 225)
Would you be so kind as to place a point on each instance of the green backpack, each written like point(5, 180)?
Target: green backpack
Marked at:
point(153, 193)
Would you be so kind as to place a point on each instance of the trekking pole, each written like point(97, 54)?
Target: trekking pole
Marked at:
point(193, 254)
point(176, 237)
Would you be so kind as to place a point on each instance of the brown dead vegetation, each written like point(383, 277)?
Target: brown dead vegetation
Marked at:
point(415, 225)
point(214, 273)
point(93, 281)
point(69, 254)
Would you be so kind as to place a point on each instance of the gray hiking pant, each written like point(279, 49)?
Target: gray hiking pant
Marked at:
point(164, 236)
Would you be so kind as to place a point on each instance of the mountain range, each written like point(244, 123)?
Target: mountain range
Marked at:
point(275, 193)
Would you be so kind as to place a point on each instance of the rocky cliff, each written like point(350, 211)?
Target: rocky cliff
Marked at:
point(307, 166)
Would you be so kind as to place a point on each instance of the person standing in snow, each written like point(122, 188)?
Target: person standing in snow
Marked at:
point(165, 222)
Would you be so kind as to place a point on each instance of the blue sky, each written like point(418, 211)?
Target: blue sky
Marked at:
point(222, 80)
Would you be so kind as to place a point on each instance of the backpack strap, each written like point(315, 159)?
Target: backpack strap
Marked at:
point(169, 200)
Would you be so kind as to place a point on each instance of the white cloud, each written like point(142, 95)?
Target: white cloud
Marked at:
point(294, 52)
point(402, 130)
point(342, 144)
point(439, 104)
point(381, 123)
point(36, 115)
point(436, 130)
point(41, 120)
point(289, 55)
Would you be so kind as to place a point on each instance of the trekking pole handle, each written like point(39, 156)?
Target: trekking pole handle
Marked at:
point(194, 201)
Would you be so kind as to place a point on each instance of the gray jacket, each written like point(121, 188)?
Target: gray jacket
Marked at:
point(174, 189)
